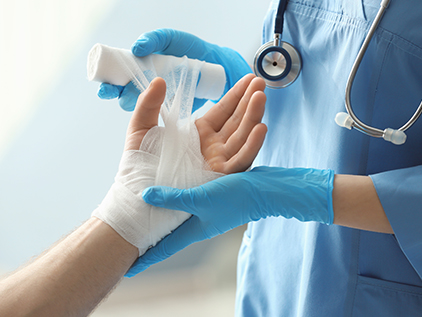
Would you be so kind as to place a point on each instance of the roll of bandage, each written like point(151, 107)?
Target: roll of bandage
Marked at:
point(119, 67)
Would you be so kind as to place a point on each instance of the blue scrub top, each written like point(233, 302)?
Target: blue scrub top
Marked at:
point(289, 268)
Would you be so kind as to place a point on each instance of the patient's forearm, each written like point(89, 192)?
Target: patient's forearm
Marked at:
point(72, 277)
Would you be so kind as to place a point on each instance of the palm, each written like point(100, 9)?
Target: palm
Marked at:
point(231, 132)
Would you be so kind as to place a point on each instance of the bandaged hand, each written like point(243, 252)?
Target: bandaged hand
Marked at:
point(233, 200)
point(230, 136)
point(177, 43)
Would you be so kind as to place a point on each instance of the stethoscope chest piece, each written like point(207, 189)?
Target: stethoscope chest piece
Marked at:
point(279, 65)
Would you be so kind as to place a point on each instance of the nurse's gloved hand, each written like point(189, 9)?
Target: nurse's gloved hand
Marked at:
point(177, 43)
point(236, 199)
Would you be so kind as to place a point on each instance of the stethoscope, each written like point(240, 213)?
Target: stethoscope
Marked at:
point(279, 64)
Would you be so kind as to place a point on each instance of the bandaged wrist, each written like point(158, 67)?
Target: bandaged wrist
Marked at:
point(124, 210)
point(168, 156)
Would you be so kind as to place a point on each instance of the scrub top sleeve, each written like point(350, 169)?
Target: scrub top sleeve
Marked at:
point(400, 193)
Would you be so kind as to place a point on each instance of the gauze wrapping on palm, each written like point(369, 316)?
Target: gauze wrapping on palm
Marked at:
point(169, 155)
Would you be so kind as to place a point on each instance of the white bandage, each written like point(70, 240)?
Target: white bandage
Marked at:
point(123, 208)
point(168, 156)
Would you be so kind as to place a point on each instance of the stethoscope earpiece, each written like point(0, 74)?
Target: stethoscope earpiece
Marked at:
point(279, 65)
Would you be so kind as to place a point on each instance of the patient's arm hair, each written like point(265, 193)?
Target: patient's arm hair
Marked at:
point(73, 276)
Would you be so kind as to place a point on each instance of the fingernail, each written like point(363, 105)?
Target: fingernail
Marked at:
point(153, 196)
point(146, 91)
point(108, 92)
point(150, 84)
point(138, 48)
point(101, 92)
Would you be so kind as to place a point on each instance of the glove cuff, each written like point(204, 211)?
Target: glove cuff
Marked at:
point(330, 187)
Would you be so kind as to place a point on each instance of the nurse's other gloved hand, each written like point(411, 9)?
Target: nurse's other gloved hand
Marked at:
point(236, 199)
point(177, 43)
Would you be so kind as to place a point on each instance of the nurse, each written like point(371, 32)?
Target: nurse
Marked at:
point(334, 216)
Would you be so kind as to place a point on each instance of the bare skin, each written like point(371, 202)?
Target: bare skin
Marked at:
point(356, 204)
point(231, 132)
point(232, 136)
point(72, 277)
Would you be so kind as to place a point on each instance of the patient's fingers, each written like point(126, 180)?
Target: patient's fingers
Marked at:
point(148, 106)
point(232, 124)
point(252, 117)
point(145, 115)
point(234, 147)
point(217, 116)
point(244, 158)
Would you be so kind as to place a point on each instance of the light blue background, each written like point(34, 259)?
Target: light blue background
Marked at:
point(64, 159)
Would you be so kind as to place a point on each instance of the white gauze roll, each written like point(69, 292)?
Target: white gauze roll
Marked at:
point(169, 155)
point(105, 65)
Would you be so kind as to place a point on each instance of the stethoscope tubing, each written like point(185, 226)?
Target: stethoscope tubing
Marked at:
point(276, 77)
point(358, 124)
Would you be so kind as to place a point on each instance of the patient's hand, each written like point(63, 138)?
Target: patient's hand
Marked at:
point(231, 132)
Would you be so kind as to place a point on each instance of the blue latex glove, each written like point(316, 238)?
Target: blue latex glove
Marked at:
point(236, 199)
point(177, 43)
